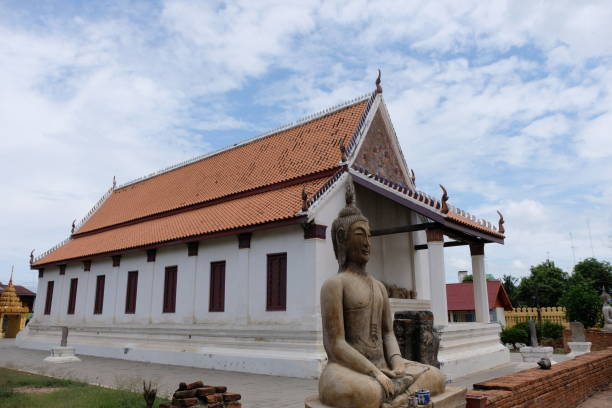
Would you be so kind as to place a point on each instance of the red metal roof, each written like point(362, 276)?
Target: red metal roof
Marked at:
point(460, 296)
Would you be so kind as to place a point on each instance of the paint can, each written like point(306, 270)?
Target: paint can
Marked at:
point(422, 396)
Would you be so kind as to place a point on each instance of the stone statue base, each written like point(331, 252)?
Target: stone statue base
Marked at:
point(607, 328)
point(62, 355)
point(534, 354)
point(452, 397)
point(578, 347)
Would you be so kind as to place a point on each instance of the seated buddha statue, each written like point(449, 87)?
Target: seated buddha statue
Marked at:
point(365, 368)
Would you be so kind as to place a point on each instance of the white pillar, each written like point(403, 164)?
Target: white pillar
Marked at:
point(437, 279)
point(481, 297)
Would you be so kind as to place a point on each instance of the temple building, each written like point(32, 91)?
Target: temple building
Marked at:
point(13, 314)
point(461, 306)
point(218, 262)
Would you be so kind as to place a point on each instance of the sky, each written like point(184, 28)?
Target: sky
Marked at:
point(508, 104)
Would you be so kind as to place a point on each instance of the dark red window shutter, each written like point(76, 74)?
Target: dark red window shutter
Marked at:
point(131, 291)
point(86, 266)
point(116, 260)
point(192, 248)
point(99, 300)
point(151, 255)
point(276, 297)
point(217, 287)
point(72, 296)
point(62, 269)
point(170, 289)
point(49, 298)
point(41, 272)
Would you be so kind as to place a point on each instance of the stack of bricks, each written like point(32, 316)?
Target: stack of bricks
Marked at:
point(565, 385)
point(199, 395)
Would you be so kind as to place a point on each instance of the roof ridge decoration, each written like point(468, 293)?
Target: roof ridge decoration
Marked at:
point(282, 128)
point(75, 227)
point(34, 259)
point(324, 188)
point(430, 201)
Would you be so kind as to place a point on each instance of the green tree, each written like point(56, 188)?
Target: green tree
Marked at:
point(582, 303)
point(543, 287)
point(470, 278)
point(509, 283)
point(597, 273)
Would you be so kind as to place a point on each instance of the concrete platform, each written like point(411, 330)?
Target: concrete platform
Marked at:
point(453, 397)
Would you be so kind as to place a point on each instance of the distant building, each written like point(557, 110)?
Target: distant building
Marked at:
point(461, 302)
point(27, 296)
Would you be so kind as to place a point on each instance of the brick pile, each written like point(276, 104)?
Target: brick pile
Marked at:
point(565, 385)
point(600, 340)
point(198, 394)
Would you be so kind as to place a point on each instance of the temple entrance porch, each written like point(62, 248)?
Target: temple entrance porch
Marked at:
point(409, 243)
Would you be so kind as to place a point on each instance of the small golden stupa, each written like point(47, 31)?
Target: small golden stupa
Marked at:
point(13, 313)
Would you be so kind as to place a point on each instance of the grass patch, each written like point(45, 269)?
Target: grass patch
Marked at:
point(70, 394)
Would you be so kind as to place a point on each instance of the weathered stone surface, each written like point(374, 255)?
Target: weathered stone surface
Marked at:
point(204, 391)
point(231, 396)
point(194, 385)
point(357, 317)
point(416, 337)
point(214, 398)
point(577, 329)
point(185, 402)
point(185, 394)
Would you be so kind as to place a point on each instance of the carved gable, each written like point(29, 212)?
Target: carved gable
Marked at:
point(377, 154)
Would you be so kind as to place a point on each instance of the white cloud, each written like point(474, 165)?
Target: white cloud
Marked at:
point(506, 103)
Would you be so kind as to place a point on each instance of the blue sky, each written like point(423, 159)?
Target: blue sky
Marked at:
point(506, 103)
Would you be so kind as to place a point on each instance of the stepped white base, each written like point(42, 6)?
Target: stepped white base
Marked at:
point(467, 348)
point(578, 347)
point(294, 354)
point(62, 355)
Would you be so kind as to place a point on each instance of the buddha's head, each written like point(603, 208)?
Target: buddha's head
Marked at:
point(351, 233)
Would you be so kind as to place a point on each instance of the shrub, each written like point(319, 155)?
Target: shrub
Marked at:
point(549, 330)
point(582, 304)
point(514, 335)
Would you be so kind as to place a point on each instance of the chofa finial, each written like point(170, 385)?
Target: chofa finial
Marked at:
point(500, 227)
point(304, 200)
point(73, 227)
point(412, 177)
point(32, 257)
point(444, 208)
point(378, 87)
point(343, 157)
point(114, 182)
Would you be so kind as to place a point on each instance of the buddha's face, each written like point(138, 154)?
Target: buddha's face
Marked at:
point(358, 242)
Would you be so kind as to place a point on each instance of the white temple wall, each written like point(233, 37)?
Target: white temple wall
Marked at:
point(103, 266)
point(391, 259)
point(175, 255)
point(136, 261)
point(236, 282)
point(301, 299)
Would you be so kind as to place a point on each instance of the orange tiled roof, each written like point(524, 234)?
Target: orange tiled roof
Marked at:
point(306, 149)
point(274, 205)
